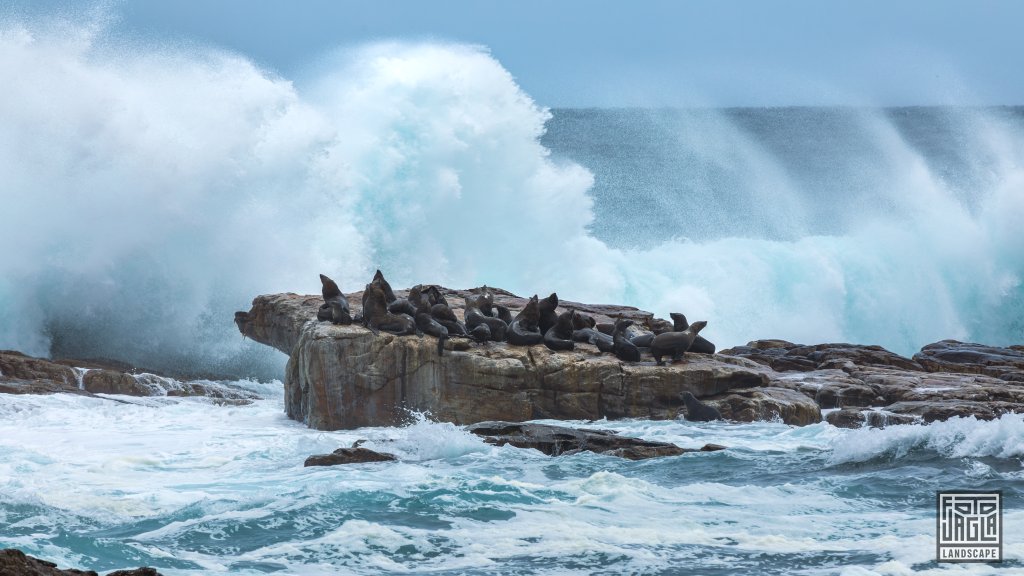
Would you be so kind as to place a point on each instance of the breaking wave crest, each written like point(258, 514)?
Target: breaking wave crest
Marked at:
point(151, 190)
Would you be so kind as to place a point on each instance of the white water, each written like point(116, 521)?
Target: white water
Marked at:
point(152, 190)
point(198, 488)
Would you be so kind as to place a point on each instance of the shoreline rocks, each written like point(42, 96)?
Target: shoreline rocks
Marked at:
point(14, 561)
point(21, 374)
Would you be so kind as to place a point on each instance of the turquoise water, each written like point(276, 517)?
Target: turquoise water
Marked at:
point(194, 488)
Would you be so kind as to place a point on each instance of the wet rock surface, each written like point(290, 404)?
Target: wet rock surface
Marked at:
point(347, 377)
point(21, 374)
point(560, 440)
point(353, 455)
point(16, 563)
point(946, 379)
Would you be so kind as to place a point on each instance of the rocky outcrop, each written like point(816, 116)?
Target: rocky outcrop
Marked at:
point(944, 380)
point(16, 563)
point(21, 374)
point(560, 441)
point(958, 357)
point(353, 455)
point(346, 377)
point(768, 403)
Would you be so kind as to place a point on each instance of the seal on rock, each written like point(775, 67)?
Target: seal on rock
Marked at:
point(376, 315)
point(675, 343)
point(697, 411)
point(426, 324)
point(481, 333)
point(524, 329)
point(389, 294)
point(475, 317)
point(559, 336)
point(444, 315)
point(603, 341)
point(623, 348)
point(335, 306)
point(700, 344)
point(547, 313)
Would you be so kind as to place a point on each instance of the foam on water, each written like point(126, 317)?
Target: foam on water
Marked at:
point(194, 487)
point(152, 190)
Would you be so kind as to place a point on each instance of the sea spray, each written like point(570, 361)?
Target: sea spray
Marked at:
point(153, 190)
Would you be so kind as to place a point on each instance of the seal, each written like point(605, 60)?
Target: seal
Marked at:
point(481, 333)
point(524, 329)
point(623, 348)
point(581, 321)
point(658, 325)
point(389, 294)
point(503, 313)
point(675, 343)
point(444, 315)
point(603, 341)
point(559, 336)
point(426, 324)
point(605, 328)
point(643, 340)
point(547, 313)
point(700, 344)
point(697, 411)
point(475, 317)
point(376, 315)
point(335, 306)
point(410, 305)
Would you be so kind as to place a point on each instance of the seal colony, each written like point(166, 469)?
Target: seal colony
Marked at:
point(425, 311)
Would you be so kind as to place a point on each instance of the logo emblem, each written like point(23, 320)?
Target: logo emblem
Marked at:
point(969, 526)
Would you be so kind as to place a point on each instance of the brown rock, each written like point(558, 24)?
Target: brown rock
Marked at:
point(952, 356)
point(354, 455)
point(21, 374)
point(560, 440)
point(786, 356)
point(859, 417)
point(768, 403)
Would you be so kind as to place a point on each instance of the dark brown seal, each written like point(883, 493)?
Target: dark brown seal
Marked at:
point(675, 343)
point(335, 306)
point(525, 328)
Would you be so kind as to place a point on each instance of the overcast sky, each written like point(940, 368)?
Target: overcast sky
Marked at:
point(657, 53)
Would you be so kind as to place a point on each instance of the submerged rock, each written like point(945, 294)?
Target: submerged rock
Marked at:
point(14, 562)
point(560, 440)
point(353, 455)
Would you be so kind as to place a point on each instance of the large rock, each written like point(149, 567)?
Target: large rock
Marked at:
point(561, 440)
point(766, 404)
point(353, 455)
point(16, 563)
point(958, 357)
point(785, 356)
point(347, 377)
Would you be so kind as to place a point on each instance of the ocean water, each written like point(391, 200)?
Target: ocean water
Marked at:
point(147, 191)
point(195, 488)
point(154, 189)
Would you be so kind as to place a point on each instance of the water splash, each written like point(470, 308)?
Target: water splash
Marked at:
point(154, 190)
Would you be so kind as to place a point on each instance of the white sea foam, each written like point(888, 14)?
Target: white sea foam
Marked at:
point(954, 438)
point(190, 471)
point(177, 183)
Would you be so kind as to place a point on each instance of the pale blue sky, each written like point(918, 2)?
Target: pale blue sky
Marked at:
point(659, 53)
